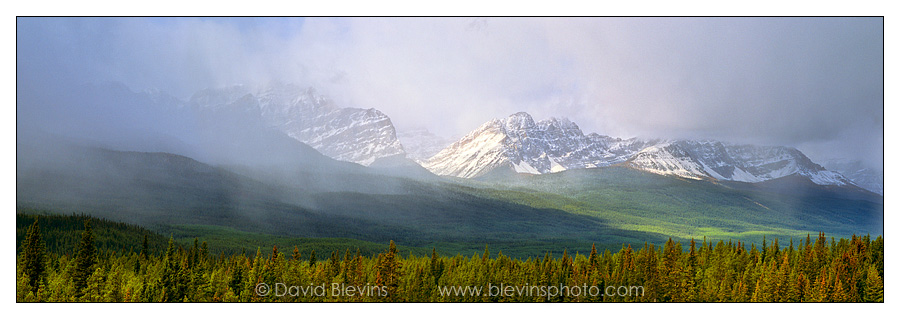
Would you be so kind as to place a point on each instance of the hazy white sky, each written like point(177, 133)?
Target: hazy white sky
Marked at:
point(811, 83)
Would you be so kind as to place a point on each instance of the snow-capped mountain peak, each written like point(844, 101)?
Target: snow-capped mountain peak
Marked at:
point(347, 134)
point(724, 161)
point(557, 144)
point(519, 143)
point(518, 122)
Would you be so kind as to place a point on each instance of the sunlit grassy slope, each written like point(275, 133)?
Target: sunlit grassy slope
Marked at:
point(519, 214)
point(627, 199)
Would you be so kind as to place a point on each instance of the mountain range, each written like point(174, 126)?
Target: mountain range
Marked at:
point(520, 144)
point(517, 142)
point(285, 160)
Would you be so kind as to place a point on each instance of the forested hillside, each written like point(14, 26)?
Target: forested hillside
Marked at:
point(817, 269)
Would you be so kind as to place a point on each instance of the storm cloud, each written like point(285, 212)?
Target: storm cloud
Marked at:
point(811, 83)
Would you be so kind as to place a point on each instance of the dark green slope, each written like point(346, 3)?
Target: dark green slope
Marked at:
point(160, 190)
point(62, 233)
point(144, 188)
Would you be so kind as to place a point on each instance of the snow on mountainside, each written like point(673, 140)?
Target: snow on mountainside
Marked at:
point(723, 161)
point(420, 144)
point(554, 145)
point(871, 179)
point(667, 159)
point(476, 153)
point(519, 143)
point(347, 134)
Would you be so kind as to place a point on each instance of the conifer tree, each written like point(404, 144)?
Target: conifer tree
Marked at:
point(33, 257)
point(839, 293)
point(670, 272)
point(689, 278)
point(388, 272)
point(255, 275)
point(801, 286)
point(647, 262)
point(137, 265)
point(356, 272)
point(194, 254)
point(765, 249)
point(783, 285)
point(237, 279)
point(820, 290)
point(84, 260)
point(345, 265)
point(204, 251)
point(775, 249)
point(334, 264)
point(169, 279)
point(874, 286)
point(296, 254)
point(145, 248)
point(436, 265)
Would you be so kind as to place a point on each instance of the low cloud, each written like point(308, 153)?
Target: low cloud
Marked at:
point(812, 83)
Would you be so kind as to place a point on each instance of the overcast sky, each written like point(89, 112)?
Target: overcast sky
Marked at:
point(811, 83)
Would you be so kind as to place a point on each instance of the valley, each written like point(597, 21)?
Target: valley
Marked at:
point(278, 160)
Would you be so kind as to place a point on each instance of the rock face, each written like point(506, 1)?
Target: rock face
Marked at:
point(723, 161)
point(871, 179)
point(554, 145)
point(346, 134)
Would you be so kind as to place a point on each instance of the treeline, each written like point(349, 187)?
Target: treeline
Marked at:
point(61, 233)
point(814, 270)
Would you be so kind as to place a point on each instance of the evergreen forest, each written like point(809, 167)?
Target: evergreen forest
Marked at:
point(54, 267)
